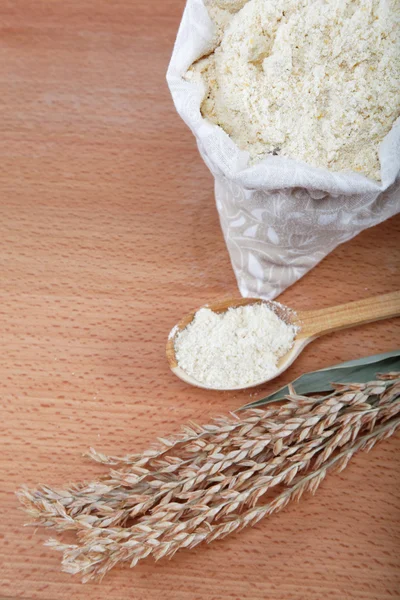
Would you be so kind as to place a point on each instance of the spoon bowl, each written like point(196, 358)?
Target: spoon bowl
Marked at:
point(310, 325)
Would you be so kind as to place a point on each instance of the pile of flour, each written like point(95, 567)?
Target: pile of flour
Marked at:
point(313, 80)
point(235, 348)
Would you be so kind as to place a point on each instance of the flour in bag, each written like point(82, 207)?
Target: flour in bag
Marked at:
point(313, 80)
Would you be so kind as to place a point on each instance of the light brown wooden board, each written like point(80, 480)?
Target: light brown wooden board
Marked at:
point(108, 235)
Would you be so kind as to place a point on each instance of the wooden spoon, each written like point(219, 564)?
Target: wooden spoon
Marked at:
point(311, 323)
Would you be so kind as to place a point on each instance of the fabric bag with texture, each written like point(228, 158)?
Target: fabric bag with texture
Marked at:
point(280, 217)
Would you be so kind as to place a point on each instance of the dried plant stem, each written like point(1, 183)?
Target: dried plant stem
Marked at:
point(115, 505)
point(219, 432)
point(209, 481)
point(77, 559)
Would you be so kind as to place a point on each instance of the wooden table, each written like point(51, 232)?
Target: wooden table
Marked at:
point(104, 244)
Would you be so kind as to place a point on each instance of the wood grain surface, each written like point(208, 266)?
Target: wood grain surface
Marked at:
point(108, 235)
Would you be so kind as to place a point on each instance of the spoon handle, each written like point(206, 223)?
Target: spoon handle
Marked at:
point(315, 323)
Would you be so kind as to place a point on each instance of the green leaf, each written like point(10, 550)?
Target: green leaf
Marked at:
point(354, 371)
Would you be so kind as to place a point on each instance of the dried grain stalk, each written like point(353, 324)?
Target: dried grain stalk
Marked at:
point(213, 479)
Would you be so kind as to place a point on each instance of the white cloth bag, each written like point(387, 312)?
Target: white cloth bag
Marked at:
point(279, 217)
